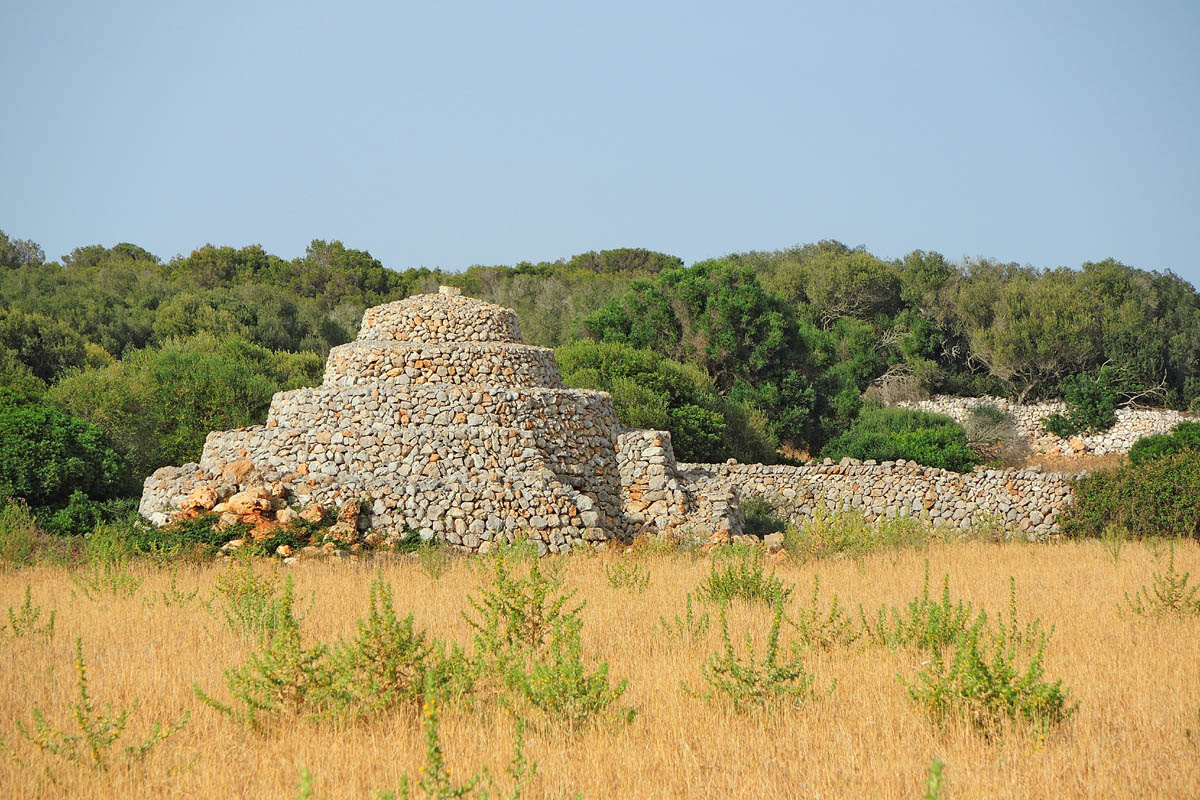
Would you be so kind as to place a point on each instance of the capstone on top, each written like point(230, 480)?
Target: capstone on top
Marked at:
point(442, 318)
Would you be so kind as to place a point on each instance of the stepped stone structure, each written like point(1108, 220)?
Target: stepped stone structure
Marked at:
point(443, 424)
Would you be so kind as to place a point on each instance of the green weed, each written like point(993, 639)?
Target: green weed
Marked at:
point(925, 624)
point(750, 683)
point(739, 573)
point(284, 677)
point(984, 684)
point(690, 626)
point(627, 573)
point(822, 628)
point(26, 620)
point(386, 662)
point(98, 730)
point(1168, 594)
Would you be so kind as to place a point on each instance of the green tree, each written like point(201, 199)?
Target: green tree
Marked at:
point(652, 392)
point(46, 455)
point(717, 315)
point(158, 404)
point(47, 346)
point(19, 252)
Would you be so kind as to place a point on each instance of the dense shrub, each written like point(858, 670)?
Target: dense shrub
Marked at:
point(82, 514)
point(158, 404)
point(652, 392)
point(1184, 437)
point(762, 516)
point(888, 434)
point(1092, 402)
point(46, 455)
point(1158, 497)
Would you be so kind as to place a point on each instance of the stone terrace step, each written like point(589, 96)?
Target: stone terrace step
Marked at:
point(468, 364)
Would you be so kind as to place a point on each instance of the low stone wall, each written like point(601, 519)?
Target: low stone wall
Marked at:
point(1132, 423)
point(1026, 500)
point(472, 364)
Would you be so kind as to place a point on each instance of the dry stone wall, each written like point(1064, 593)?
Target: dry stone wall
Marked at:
point(1026, 501)
point(659, 498)
point(448, 323)
point(1132, 423)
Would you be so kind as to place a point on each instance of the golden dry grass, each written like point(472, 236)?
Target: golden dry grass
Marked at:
point(1137, 682)
point(1061, 462)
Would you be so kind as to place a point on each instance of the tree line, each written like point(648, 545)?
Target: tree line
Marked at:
point(751, 356)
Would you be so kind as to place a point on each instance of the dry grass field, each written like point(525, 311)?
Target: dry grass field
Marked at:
point(1136, 732)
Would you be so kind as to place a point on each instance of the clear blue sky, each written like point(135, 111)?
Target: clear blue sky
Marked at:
point(449, 134)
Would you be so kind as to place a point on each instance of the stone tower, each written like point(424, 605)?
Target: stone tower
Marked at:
point(445, 424)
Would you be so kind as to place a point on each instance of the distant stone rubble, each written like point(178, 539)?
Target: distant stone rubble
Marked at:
point(439, 422)
point(1132, 423)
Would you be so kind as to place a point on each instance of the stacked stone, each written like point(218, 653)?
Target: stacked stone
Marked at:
point(1027, 501)
point(658, 499)
point(1132, 423)
point(448, 426)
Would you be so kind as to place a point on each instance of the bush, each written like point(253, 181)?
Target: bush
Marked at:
point(851, 534)
point(1184, 437)
point(739, 574)
point(753, 684)
point(983, 684)
point(926, 624)
point(1159, 497)
point(1169, 594)
point(762, 517)
point(652, 392)
point(385, 664)
point(18, 534)
point(889, 434)
point(81, 514)
point(159, 404)
point(1091, 402)
point(46, 455)
point(93, 738)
